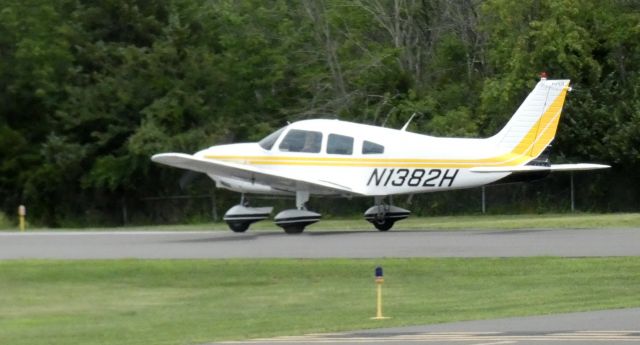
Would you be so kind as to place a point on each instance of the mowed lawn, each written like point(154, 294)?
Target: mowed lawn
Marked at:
point(197, 301)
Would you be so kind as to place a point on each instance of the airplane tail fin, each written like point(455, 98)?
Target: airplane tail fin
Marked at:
point(534, 124)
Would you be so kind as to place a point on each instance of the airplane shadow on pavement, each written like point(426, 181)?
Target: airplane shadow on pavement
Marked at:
point(250, 236)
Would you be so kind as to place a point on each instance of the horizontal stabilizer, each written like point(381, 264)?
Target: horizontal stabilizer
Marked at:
point(534, 168)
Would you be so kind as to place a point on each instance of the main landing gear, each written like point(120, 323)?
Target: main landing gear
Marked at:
point(293, 221)
point(383, 216)
point(241, 216)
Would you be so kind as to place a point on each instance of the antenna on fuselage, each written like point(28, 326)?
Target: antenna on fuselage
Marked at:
point(404, 128)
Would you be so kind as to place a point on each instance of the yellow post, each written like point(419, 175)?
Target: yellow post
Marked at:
point(379, 281)
point(22, 213)
point(379, 308)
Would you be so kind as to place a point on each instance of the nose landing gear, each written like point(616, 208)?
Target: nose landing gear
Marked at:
point(241, 216)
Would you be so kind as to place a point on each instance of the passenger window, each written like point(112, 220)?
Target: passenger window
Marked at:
point(301, 141)
point(371, 148)
point(340, 144)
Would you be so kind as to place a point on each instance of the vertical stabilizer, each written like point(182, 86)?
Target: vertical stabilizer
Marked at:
point(534, 124)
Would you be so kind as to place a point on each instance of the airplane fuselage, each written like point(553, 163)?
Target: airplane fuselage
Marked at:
point(409, 162)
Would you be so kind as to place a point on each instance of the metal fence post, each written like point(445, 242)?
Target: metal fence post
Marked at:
point(484, 206)
point(573, 202)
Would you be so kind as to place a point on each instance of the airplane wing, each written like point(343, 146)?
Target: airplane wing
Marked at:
point(536, 168)
point(280, 180)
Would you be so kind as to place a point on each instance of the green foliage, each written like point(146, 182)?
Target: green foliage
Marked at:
point(457, 123)
point(5, 223)
point(92, 89)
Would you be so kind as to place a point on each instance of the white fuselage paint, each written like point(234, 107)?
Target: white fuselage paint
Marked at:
point(411, 163)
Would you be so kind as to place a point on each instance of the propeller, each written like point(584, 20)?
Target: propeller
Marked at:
point(187, 178)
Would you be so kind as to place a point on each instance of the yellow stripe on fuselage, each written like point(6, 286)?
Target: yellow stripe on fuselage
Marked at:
point(530, 146)
point(508, 159)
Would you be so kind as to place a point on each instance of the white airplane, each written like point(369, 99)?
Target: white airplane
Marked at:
point(331, 157)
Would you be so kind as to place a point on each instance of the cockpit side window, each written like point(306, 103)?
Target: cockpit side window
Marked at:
point(269, 140)
point(340, 144)
point(298, 140)
point(369, 147)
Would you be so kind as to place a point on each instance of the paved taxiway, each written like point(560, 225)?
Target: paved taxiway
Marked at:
point(321, 244)
point(601, 327)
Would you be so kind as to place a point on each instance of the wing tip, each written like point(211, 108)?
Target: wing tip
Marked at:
point(159, 157)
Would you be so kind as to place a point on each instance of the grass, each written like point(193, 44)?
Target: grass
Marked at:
point(197, 301)
point(552, 221)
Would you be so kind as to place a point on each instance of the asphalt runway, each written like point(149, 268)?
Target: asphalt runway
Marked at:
point(601, 327)
point(320, 244)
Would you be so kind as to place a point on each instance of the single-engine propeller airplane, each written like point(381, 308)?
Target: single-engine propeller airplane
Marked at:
point(332, 157)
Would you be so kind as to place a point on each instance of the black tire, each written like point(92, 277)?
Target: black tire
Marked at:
point(383, 225)
point(238, 226)
point(293, 229)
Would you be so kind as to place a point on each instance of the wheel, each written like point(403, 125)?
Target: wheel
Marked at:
point(383, 224)
point(293, 229)
point(238, 226)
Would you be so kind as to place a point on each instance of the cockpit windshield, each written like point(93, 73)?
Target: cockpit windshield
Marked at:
point(269, 140)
